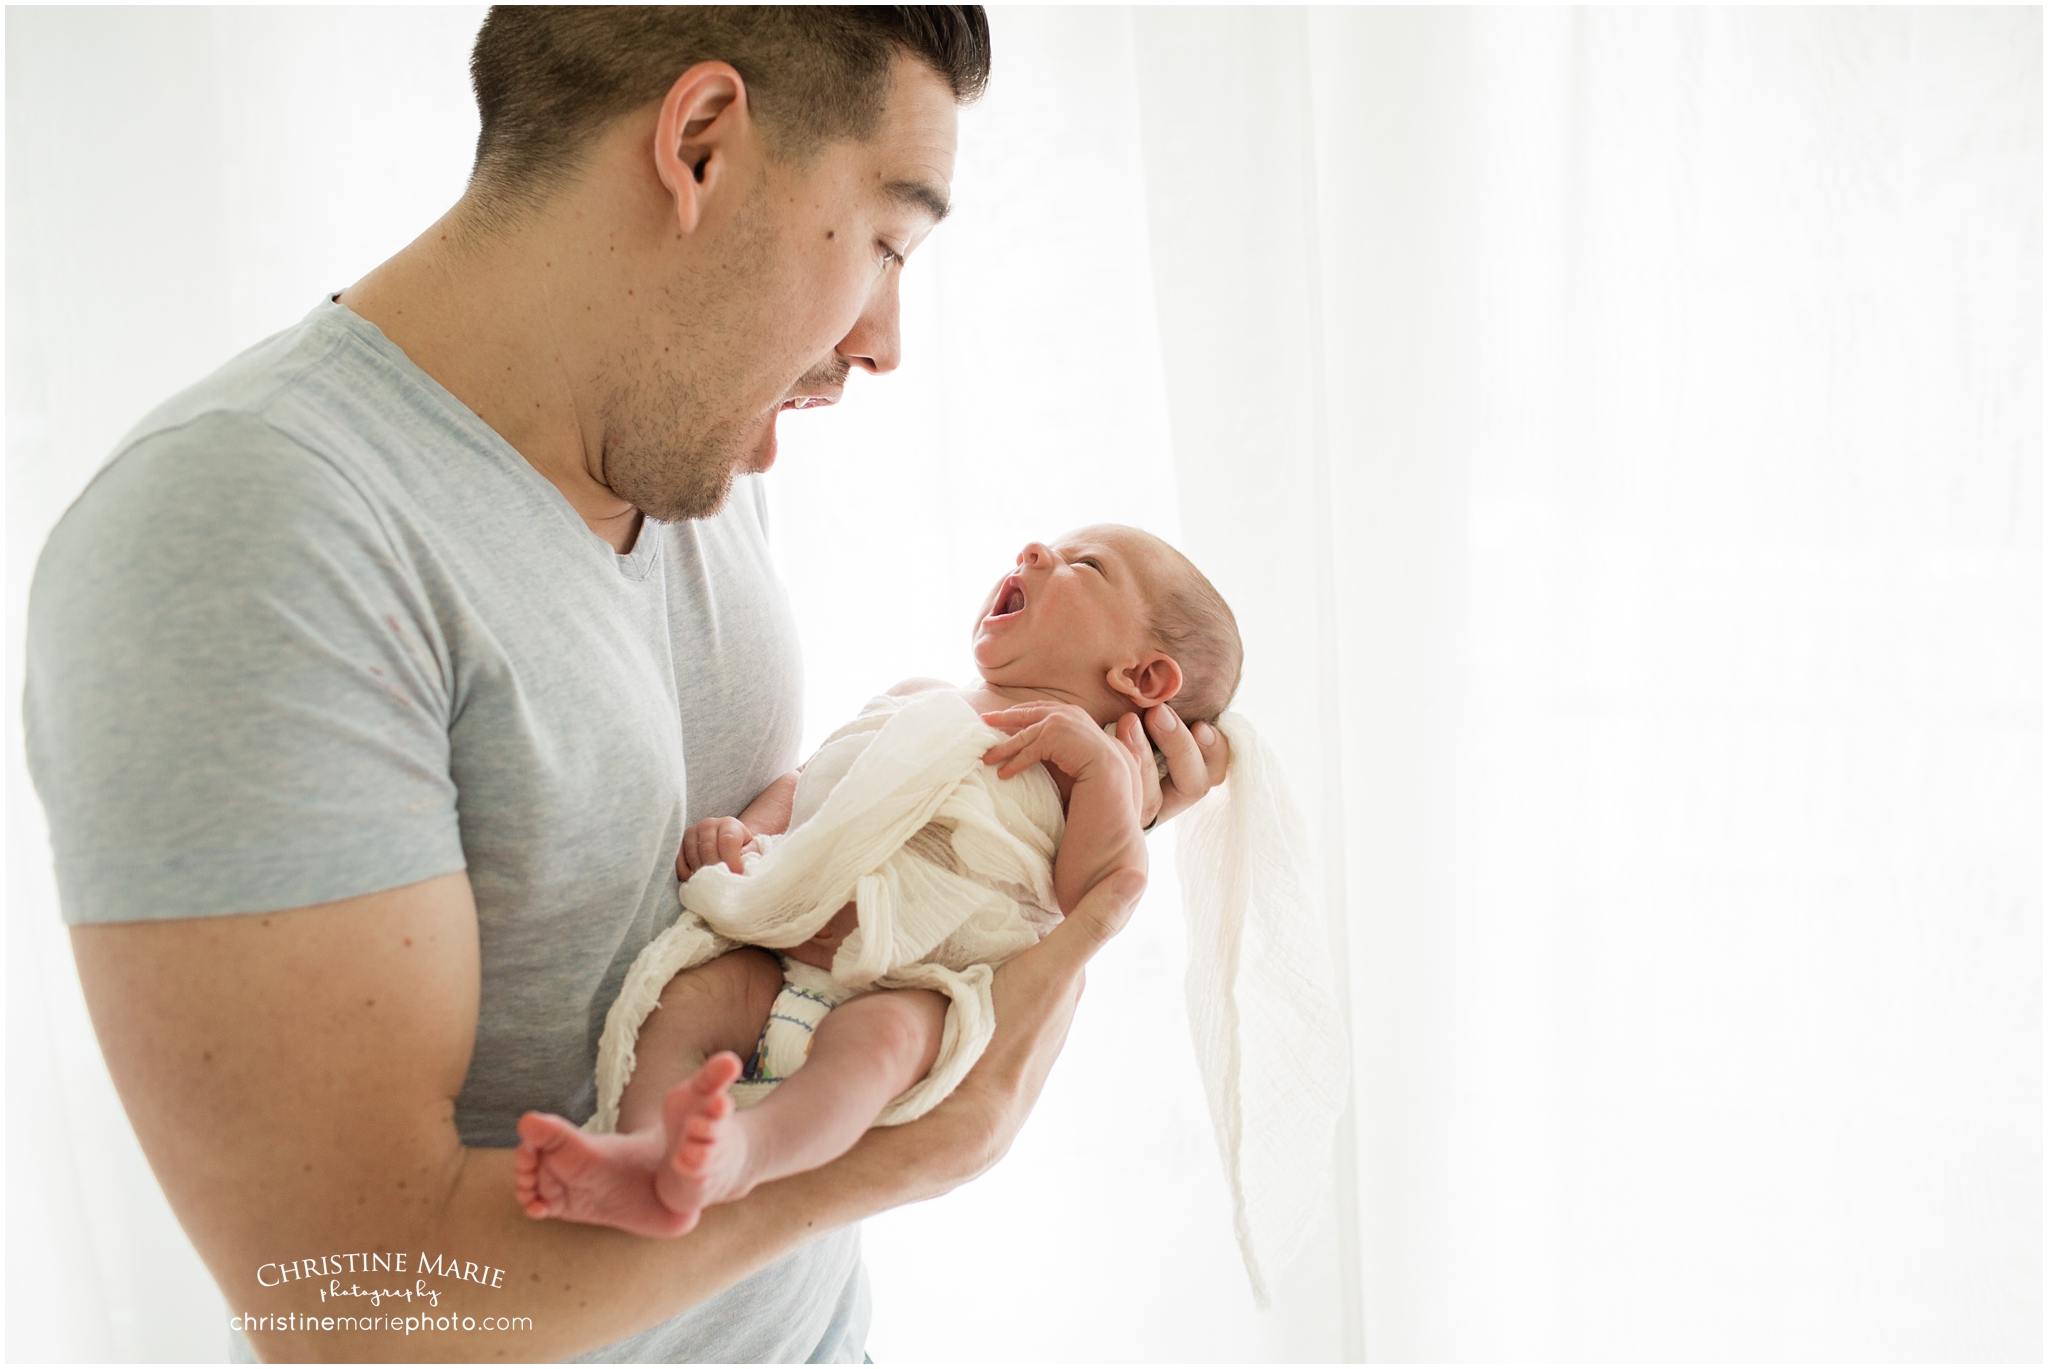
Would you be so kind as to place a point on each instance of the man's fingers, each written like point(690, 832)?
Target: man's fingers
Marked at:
point(1131, 732)
point(1215, 751)
point(1184, 760)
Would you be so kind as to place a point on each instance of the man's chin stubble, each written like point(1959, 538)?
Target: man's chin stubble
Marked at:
point(674, 483)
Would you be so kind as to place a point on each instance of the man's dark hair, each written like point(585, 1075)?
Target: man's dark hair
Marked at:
point(549, 77)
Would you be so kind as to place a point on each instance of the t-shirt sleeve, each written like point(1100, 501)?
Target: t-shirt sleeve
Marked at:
point(237, 697)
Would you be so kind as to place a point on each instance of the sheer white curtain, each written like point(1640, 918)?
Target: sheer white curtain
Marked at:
point(1619, 435)
point(1620, 431)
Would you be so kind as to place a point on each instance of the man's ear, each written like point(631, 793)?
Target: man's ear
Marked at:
point(704, 118)
point(1152, 679)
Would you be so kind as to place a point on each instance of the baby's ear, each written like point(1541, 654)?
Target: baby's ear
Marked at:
point(1152, 679)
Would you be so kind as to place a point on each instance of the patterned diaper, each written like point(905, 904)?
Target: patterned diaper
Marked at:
point(808, 993)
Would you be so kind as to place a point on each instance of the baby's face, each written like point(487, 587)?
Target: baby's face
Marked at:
point(1070, 612)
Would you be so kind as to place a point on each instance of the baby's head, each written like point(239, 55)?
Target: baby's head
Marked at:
point(1114, 619)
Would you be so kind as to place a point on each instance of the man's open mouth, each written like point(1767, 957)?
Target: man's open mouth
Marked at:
point(805, 402)
point(1009, 598)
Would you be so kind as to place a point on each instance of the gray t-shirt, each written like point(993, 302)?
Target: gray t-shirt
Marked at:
point(316, 630)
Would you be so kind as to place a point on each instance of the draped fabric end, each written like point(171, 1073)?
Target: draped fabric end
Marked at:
point(1269, 1039)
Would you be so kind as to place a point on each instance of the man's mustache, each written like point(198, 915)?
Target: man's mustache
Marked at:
point(830, 376)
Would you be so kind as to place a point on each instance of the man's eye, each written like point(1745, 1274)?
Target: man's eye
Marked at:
point(890, 256)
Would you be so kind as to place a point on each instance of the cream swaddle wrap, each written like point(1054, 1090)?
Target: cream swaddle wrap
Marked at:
point(951, 869)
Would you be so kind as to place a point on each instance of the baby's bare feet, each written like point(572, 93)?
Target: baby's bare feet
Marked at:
point(561, 1170)
point(708, 1159)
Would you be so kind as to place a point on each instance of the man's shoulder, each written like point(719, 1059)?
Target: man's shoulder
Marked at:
point(318, 427)
point(249, 385)
point(227, 483)
point(206, 445)
point(220, 473)
point(328, 398)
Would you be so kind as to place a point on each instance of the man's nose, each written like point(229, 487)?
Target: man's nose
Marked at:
point(874, 343)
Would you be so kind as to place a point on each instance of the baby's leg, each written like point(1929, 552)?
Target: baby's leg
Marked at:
point(720, 1005)
point(865, 1052)
point(706, 1015)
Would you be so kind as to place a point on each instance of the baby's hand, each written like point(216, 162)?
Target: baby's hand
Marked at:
point(1067, 740)
point(715, 839)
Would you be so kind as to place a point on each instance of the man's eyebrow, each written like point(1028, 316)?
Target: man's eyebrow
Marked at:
point(921, 195)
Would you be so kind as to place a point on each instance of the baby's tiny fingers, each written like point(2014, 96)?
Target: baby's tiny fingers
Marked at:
point(1019, 716)
point(733, 839)
point(1023, 759)
point(1009, 746)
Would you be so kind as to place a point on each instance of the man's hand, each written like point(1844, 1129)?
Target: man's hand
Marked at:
point(1197, 759)
point(1067, 740)
point(715, 839)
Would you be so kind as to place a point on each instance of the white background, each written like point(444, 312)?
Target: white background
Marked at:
point(1619, 435)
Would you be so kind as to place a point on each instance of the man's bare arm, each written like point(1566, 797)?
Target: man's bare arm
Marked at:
point(292, 1079)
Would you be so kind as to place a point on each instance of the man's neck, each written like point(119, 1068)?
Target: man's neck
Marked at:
point(497, 318)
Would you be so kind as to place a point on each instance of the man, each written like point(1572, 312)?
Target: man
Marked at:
point(373, 683)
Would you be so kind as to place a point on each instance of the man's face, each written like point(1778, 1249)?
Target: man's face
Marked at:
point(804, 291)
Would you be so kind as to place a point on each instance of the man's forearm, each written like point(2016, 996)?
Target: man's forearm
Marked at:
point(578, 1288)
point(291, 1077)
point(565, 1288)
point(604, 1285)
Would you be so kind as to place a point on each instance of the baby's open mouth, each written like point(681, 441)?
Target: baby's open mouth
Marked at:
point(1009, 599)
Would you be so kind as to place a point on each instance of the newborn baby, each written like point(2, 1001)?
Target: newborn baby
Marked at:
point(1081, 638)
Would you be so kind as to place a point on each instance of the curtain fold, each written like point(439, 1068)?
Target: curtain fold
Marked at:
point(1619, 431)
